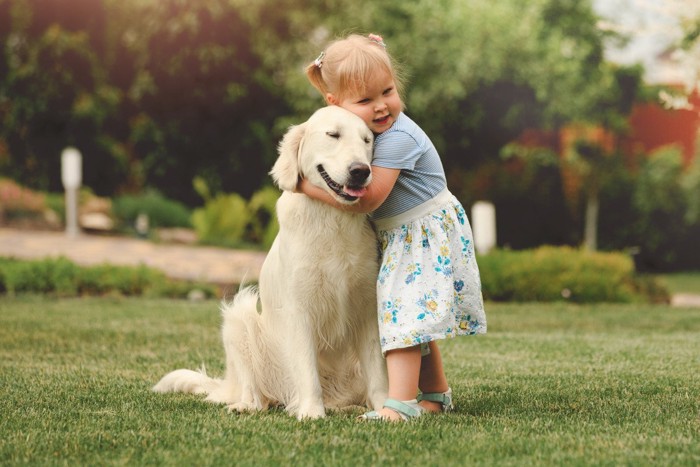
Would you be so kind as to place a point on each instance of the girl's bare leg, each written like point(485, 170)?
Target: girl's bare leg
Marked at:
point(403, 368)
point(432, 377)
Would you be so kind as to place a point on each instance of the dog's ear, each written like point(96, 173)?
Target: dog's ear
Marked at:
point(286, 171)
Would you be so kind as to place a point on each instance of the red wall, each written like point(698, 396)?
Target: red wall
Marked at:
point(652, 126)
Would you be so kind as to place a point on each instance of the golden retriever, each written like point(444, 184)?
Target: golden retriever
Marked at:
point(314, 342)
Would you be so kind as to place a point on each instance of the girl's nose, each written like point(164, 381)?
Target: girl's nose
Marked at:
point(380, 105)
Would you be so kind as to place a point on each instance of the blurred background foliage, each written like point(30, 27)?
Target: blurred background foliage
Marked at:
point(158, 93)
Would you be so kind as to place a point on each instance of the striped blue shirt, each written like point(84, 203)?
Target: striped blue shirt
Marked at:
point(406, 147)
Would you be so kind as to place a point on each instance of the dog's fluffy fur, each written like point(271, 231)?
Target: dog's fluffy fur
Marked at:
point(315, 343)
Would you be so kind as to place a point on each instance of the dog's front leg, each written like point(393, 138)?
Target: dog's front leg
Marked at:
point(303, 364)
point(373, 366)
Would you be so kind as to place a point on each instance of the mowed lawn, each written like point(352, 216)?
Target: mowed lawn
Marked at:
point(552, 384)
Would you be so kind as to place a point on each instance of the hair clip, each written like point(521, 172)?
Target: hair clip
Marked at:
point(319, 60)
point(377, 38)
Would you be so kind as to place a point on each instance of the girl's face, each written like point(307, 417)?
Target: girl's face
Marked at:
point(379, 105)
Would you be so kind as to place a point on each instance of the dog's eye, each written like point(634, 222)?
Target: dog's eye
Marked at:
point(333, 134)
point(367, 140)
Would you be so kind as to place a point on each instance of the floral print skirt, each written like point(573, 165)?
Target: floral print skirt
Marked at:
point(428, 286)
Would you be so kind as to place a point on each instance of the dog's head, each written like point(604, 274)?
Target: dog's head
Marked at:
point(332, 149)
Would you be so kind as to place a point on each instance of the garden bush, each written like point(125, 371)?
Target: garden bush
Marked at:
point(56, 202)
point(661, 206)
point(20, 205)
point(50, 276)
point(229, 220)
point(63, 278)
point(16, 200)
point(161, 211)
point(263, 225)
point(564, 274)
point(222, 221)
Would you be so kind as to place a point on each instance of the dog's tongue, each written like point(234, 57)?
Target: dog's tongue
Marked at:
point(356, 192)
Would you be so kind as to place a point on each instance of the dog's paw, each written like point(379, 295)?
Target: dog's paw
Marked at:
point(243, 407)
point(311, 413)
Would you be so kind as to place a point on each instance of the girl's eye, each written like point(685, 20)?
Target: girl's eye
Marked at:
point(363, 101)
point(387, 91)
point(333, 134)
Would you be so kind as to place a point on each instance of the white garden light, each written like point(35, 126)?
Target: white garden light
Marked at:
point(71, 176)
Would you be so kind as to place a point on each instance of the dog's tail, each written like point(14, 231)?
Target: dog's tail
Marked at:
point(251, 358)
point(244, 341)
point(219, 391)
point(240, 332)
point(188, 381)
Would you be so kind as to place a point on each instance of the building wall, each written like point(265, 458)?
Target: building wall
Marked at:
point(652, 126)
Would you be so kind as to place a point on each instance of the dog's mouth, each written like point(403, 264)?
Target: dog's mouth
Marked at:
point(348, 192)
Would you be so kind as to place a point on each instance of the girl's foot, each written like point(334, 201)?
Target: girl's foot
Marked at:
point(436, 401)
point(389, 414)
point(395, 411)
point(430, 407)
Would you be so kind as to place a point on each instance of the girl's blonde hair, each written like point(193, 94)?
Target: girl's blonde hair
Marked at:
point(346, 65)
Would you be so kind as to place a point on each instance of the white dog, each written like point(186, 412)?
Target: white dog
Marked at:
point(315, 342)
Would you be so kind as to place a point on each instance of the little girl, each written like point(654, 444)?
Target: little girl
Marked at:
point(428, 286)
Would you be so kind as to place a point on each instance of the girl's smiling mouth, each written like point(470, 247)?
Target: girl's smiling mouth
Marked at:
point(383, 120)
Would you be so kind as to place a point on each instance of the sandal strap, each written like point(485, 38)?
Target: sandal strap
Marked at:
point(444, 398)
point(440, 397)
point(373, 415)
point(407, 409)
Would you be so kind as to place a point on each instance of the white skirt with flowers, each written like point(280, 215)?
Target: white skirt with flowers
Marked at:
point(428, 286)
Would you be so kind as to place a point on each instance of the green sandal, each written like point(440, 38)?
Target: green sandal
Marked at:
point(406, 410)
point(444, 398)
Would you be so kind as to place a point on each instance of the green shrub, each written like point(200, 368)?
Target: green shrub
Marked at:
point(228, 220)
point(563, 274)
point(63, 278)
point(57, 203)
point(161, 212)
point(661, 207)
point(263, 225)
point(18, 201)
point(57, 276)
point(223, 219)
point(654, 288)
point(690, 183)
point(106, 278)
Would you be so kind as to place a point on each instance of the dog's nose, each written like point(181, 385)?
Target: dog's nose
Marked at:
point(359, 171)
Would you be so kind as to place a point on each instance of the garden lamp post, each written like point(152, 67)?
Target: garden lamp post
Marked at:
point(484, 220)
point(71, 176)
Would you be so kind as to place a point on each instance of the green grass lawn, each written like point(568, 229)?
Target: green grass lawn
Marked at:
point(549, 384)
point(683, 282)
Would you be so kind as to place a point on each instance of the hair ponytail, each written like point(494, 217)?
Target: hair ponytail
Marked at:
point(315, 77)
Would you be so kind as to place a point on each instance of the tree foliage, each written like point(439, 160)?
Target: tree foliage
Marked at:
point(152, 92)
point(156, 93)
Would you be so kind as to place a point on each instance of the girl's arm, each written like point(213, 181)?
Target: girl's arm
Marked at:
point(383, 181)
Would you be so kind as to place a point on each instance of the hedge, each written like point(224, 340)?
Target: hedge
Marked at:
point(544, 274)
point(552, 273)
point(63, 278)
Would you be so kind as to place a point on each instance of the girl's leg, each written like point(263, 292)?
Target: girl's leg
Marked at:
point(432, 377)
point(403, 368)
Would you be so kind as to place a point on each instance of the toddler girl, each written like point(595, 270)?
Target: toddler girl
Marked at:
point(428, 286)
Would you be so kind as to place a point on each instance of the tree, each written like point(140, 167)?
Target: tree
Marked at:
point(182, 89)
point(618, 88)
point(52, 91)
point(154, 93)
point(196, 98)
point(676, 25)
